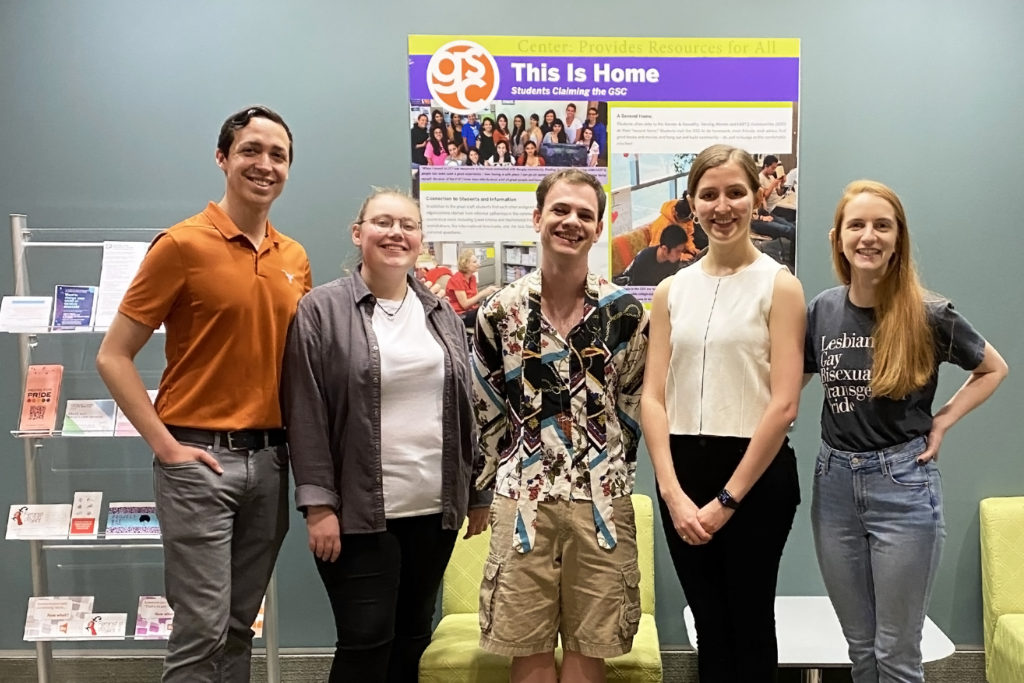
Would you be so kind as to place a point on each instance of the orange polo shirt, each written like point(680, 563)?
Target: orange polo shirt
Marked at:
point(226, 308)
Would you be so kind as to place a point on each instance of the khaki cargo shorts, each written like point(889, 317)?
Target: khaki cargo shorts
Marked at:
point(567, 584)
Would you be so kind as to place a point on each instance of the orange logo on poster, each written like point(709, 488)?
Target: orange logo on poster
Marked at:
point(463, 76)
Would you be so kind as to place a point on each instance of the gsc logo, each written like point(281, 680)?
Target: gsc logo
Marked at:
point(463, 76)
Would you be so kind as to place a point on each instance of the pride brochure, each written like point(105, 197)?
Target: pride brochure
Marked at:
point(73, 307)
point(89, 417)
point(137, 520)
point(35, 522)
point(52, 617)
point(25, 313)
point(39, 405)
point(632, 112)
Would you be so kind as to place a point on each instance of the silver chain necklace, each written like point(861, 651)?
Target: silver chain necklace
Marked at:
point(389, 313)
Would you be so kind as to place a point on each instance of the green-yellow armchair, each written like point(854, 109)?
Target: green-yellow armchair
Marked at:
point(1002, 588)
point(454, 653)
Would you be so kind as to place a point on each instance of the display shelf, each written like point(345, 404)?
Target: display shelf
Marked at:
point(78, 256)
point(58, 434)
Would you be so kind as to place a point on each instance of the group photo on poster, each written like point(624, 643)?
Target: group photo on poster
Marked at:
point(515, 108)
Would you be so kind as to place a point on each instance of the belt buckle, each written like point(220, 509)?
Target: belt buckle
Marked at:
point(231, 443)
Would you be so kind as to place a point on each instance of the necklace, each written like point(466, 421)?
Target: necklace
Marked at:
point(390, 314)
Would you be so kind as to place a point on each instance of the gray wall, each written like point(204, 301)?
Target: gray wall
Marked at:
point(109, 112)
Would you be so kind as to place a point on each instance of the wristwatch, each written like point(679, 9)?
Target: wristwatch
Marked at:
point(726, 499)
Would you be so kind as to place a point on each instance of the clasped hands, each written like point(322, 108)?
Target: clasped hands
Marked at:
point(696, 526)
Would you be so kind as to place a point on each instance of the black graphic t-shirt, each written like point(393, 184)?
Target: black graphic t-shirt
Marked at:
point(838, 348)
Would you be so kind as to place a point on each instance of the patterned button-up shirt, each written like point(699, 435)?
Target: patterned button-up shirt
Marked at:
point(559, 416)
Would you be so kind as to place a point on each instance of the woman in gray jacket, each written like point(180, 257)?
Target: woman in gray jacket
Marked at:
point(377, 400)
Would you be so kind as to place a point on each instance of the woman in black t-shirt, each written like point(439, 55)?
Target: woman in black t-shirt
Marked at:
point(877, 342)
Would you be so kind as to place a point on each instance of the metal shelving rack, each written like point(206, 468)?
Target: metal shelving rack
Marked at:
point(21, 243)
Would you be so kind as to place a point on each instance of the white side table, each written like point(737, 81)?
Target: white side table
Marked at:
point(811, 639)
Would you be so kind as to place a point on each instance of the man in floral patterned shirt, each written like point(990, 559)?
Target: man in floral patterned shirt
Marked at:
point(559, 358)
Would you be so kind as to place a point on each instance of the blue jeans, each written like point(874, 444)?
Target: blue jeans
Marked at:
point(878, 532)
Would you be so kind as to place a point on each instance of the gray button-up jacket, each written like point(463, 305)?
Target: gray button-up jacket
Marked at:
point(330, 391)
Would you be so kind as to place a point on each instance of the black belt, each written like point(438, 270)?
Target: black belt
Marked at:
point(238, 440)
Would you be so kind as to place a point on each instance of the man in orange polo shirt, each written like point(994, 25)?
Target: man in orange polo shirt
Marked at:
point(225, 284)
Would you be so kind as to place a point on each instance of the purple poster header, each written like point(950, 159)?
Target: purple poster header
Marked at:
point(636, 79)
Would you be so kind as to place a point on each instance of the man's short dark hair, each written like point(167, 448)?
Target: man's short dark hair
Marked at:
point(573, 176)
point(769, 160)
point(241, 119)
point(672, 236)
point(682, 208)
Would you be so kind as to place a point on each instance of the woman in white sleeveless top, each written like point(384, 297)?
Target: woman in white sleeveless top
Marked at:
point(722, 385)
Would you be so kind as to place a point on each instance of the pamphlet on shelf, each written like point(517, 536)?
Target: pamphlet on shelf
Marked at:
point(121, 261)
point(85, 514)
point(37, 522)
point(50, 617)
point(25, 313)
point(257, 626)
point(122, 425)
point(74, 307)
point(42, 390)
point(98, 626)
point(135, 520)
point(154, 618)
point(89, 417)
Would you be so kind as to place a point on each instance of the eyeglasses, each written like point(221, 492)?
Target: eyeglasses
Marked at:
point(242, 118)
point(384, 222)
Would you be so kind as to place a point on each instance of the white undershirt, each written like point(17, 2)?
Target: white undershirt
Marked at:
point(412, 394)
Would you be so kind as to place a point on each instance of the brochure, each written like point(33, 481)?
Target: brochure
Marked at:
point(50, 617)
point(73, 307)
point(155, 617)
point(42, 391)
point(85, 514)
point(25, 313)
point(99, 626)
point(38, 522)
point(137, 520)
point(89, 417)
point(122, 425)
point(121, 260)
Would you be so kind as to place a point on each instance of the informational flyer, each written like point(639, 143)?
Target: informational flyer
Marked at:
point(51, 617)
point(154, 618)
point(137, 520)
point(73, 307)
point(38, 521)
point(25, 313)
point(89, 417)
point(490, 116)
point(121, 261)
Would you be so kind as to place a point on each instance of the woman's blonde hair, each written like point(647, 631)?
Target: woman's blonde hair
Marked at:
point(464, 256)
point(903, 359)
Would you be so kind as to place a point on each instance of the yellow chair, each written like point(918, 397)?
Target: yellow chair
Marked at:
point(454, 652)
point(1002, 588)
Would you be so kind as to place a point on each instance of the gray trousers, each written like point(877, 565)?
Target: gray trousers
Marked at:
point(221, 535)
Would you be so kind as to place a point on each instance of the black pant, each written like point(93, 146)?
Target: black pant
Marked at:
point(383, 589)
point(730, 582)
